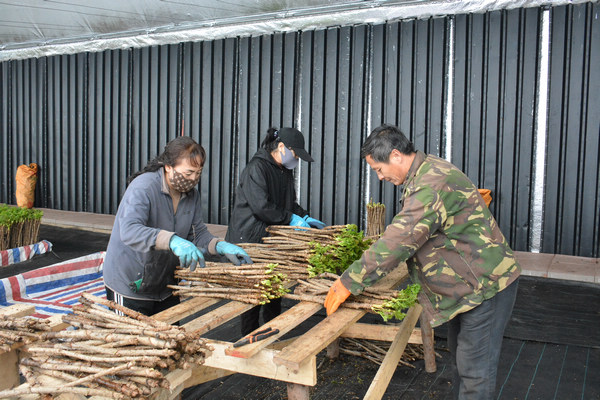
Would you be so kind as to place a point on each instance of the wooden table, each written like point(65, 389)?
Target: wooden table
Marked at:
point(294, 361)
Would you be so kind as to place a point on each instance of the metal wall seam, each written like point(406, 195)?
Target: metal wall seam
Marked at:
point(366, 178)
point(541, 126)
point(449, 109)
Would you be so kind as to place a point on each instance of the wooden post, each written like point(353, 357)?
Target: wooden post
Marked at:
point(297, 392)
point(388, 366)
point(9, 360)
point(428, 351)
point(10, 370)
point(333, 350)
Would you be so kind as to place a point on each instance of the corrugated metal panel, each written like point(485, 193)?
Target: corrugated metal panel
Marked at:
point(408, 86)
point(332, 113)
point(92, 119)
point(494, 102)
point(572, 191)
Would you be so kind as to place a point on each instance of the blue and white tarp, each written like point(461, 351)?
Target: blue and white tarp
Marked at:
point(55, 289)
point(23, 253)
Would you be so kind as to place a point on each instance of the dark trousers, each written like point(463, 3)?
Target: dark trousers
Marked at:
point(475, 340)
point(146, 307)
point(250, 317)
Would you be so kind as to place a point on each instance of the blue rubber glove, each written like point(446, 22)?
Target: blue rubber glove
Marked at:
point(189, 255)
point(314, 223)
point(234, 253)
point(298, 221)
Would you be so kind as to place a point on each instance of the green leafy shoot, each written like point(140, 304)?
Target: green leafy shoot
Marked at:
point(394, 308)
point(335, 258)
point(10, 216)
point(274, 286)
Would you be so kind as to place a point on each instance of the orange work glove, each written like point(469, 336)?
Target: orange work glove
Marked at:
point(336, 296)
point(487, 196)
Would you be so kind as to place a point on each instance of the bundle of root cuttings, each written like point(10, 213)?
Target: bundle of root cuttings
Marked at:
point(304, 252)
point(387, 303)
point(375, 219)
point(257, 283)
point(116, 354)
point(20, 330)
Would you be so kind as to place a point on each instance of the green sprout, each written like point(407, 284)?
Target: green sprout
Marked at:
point(335, 258)
point(394, 308)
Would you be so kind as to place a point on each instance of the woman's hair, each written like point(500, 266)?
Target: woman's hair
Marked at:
point(383, 140)
point(175, 151)
point(271, 141)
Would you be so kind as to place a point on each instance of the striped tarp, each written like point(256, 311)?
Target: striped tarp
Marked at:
point(23, 253)
point(56, 288)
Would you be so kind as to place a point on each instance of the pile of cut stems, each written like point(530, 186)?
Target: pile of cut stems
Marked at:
point(375, 350)
point(377, 301)
point(108, 355)
point(257, 283)
point(24, 330)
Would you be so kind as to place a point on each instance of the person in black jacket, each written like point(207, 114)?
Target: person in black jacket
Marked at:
point(266, 196)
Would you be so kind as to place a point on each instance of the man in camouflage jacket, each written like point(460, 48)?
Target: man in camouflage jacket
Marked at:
point(454, 250)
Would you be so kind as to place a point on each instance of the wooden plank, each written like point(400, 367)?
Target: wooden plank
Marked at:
point(388, 366)
point(282, 343)
point(185, 309)
point(202, 374)
point(261, 364)
point(56, 323)
point(17, 310)
point(284, 322)
point(386, 333)
point(326, 331)
point(217, 317)
point(177, 379)
point(317, 338)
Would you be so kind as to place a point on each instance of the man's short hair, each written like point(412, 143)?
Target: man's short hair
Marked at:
point(383, 140)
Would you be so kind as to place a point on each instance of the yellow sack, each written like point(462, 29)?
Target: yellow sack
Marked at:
point(26, 180)
point(487, 196)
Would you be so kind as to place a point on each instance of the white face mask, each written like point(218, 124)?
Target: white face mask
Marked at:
point(288, 160)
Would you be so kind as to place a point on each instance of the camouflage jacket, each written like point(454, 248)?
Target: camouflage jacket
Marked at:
point(448, 238)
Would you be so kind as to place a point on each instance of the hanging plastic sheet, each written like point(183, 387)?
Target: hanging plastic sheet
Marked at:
point(52, 28)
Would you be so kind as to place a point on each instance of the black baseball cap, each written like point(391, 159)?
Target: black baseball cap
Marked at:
point(294, 139)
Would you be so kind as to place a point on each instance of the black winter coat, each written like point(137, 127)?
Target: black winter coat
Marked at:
point(265, 196)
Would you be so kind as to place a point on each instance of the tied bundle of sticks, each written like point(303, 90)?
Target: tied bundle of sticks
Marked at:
point(291, 247)
point(375, 351)
point(108, 355)
point(257, 283)
point(24, 330)
point(387, 303)
point(299, 252)
point(375, 219)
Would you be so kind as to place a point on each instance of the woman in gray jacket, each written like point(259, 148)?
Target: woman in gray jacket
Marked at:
point(159, 226)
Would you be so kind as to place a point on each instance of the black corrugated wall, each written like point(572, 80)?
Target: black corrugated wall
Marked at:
point(464, 87)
